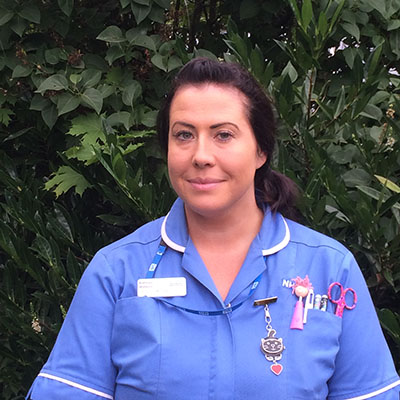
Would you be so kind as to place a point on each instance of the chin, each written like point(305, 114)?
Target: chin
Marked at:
point(205, 210)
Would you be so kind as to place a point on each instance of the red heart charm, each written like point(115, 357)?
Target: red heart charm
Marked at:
point(276, 369)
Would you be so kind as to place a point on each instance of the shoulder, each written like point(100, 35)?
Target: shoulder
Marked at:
point(129, 257)
point(144, 236)
point(309, 238)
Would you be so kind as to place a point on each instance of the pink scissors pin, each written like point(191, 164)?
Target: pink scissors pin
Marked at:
point(341, 300)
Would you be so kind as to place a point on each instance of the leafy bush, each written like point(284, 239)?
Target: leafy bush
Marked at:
point(80, 86)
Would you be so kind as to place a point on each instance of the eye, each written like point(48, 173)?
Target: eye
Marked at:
point(224, 136)
point(183, 135)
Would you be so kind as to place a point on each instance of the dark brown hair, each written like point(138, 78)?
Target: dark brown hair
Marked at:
point(273, 188)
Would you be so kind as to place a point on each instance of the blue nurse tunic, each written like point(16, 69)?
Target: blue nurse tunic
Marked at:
point(116, 345)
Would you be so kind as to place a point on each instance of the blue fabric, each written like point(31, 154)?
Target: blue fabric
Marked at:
point(128, 347)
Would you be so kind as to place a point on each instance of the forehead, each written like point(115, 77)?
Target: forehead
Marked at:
point(211, 96)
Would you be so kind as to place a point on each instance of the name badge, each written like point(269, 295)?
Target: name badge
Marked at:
point(161, 287)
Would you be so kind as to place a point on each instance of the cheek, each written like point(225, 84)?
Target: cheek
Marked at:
point(176, 163)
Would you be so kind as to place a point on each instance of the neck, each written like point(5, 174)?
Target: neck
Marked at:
point(216, 231)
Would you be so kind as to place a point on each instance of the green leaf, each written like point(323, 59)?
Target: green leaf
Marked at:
point(17, 134)
point(119, 167)
point(90, 77)
point(352, 29)
point(375, 60)
point(21, 71)
point(55, 82)
point(372, 111)
point(67, 102)
point(87, 124)
point(121, 117)
point(349, 55)
point(113, 53)
point(125, 3)
point(376, 195)
point(88, 128)
point(141, 40)
point(50, 115)
point(306, 13)
point(39, 103)
point(392, 201)
point(66, 6)
point(42, 246)
point(343, 154)
point(5, 16)
point(336, 15)
point(157, 14)
point(112, 34)
point(394, 41)
point(174, 62)
point(18, 25)
point(149, 118)
point(140, 12)
point(388, 183)
point(393, 24)
point(205, 53)
point(323, 24)
point(291, 71)
point(141, 2)
point(5, 116)
point(296, 10)
point(131, 93)
point(93, 98)
point(257, 62)
point(340, 102)
point(356, 177)
point(30, 13)
point(391, 323)
point(53, 56)
point(106, 90)
point(66, 178)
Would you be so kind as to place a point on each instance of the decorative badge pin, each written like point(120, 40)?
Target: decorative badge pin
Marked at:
point(301, 288)
point(271, 346)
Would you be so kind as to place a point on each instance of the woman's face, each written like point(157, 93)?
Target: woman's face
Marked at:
point(212, 151)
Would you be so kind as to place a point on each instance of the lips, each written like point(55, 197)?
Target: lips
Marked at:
point(205, 183)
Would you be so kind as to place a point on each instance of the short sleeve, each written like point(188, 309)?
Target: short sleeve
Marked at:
point(364, 367)
point(80, 365)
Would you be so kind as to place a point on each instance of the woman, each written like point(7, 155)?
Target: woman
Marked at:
point(168, 312)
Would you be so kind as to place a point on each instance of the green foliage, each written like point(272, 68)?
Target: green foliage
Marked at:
point(80, 86)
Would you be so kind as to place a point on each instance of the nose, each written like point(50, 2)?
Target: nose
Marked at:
point(203, 155)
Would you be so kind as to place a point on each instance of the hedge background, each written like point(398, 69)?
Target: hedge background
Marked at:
point(80, 85)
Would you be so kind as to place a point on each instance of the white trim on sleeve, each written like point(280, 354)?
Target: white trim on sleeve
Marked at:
point(380, 391)
point(76, 385)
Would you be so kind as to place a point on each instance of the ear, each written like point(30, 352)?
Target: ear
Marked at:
point(261, 158)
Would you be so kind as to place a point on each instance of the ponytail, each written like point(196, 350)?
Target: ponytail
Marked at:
point(278, 191)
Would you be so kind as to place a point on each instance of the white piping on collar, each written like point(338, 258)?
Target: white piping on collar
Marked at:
point(380, 391)
point(280, 245)
point(76, 385)
point(266, 252)
point(167, 240)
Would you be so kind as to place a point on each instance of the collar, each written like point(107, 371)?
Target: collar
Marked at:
point(274, 234)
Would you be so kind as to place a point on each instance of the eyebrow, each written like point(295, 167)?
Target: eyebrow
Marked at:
point(214, 126)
